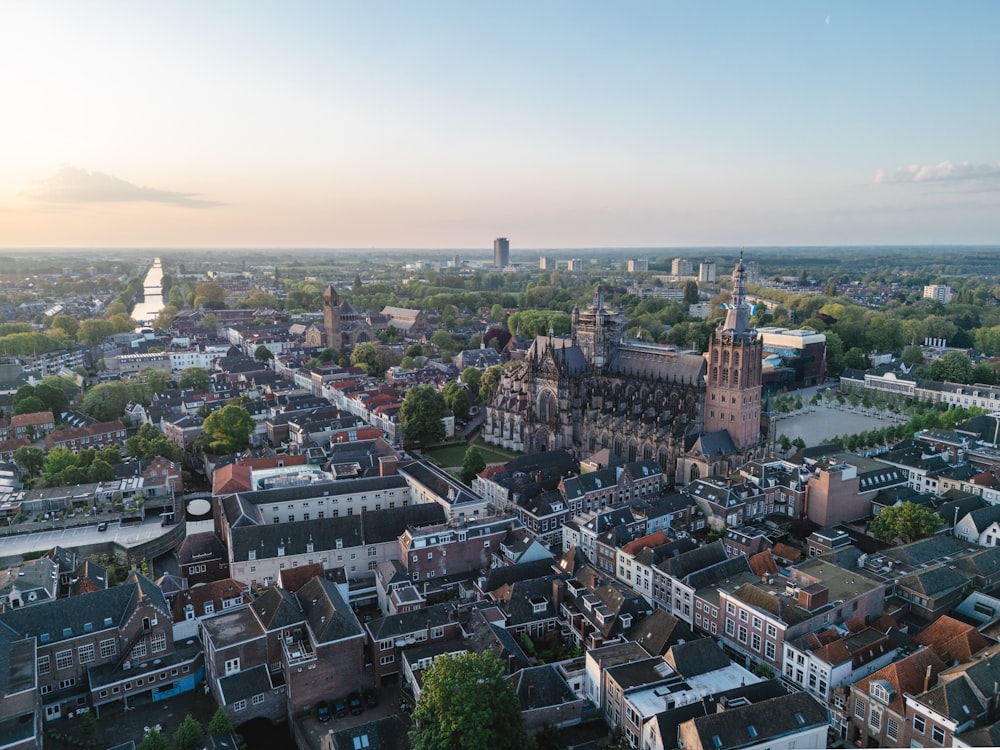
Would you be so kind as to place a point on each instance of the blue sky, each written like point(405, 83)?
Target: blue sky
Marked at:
point(445, 124)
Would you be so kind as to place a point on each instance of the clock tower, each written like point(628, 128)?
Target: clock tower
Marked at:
point(732, 396)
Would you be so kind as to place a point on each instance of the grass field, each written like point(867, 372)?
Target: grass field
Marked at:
point(453, 454)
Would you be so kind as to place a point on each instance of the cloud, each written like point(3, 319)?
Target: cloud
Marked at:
point(74, 185)
point(946, 171)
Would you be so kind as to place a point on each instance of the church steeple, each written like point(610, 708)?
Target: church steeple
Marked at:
point(733, 380)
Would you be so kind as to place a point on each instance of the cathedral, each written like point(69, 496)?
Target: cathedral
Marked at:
point(695, 414)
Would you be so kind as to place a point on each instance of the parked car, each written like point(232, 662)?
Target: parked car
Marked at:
point(339, 708)
point(354, 701)
point(102, 526)
point(323, 711)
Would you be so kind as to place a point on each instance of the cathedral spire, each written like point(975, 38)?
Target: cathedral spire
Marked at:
point(738, 310)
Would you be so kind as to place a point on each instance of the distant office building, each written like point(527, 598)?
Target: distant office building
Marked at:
point(456, 262)
point(636, 265)
point(574, 265)
point(706, 271)
point(939, 292)
point(501, 252)
point(753, 269)
point(545, 263)
point(682, 267)
point(793, 358)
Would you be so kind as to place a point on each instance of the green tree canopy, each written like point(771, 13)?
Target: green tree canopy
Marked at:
point(210, 296)
point(456, 398)
point(106, 401)
point(263, 354)
point(369, 356)
point(93, 332)
point(220, 723)
point(153, 740)
point(421, 415)
point(227, 430)
point(194, 377)
point(29, 405)
point(471, 377)
point(466, 703)
point(188, 733)
point(67, 324)
point(30, 459)
point(149, 442)
point(58, 461)
point(913, 355)
point(907, 522)
point(100, 471)
point(489, 382)
point(472, 464)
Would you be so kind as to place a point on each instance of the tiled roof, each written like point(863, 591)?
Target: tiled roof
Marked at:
point(952, 639)
point(905, 676)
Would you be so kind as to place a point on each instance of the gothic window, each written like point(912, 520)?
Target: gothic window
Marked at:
point(631, 452)
point(695, 473)
point(725, 358)
point(736, 359)
point(736, 377)
point(547, 407)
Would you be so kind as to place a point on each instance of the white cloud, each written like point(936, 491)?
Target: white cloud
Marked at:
point(946, 171)
point(74, 185)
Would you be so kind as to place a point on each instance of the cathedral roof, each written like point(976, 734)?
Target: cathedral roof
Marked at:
point(650, 361)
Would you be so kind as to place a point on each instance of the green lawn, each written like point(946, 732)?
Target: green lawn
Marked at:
point(453, 454)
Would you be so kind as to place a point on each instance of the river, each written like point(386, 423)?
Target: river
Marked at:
point(146, 312)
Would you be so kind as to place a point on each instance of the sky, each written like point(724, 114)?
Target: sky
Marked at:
point(555, 123)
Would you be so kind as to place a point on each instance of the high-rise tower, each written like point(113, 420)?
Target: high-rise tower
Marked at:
point(732, 396)
point(501, 252)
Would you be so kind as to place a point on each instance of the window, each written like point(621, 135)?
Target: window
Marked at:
point(232, 665)
point(43, 665)
point(730, 627)
point(859, 709)
point(772, 632)
point(757, 623)
point(85, 653)
point(918, 723)
point(209, 608)
point(892, 729)
point(239, 705)
point(139, 650)
point(158, 642)
point(744, 615)
point(755, 641)
point(937, 734)
point(108, 648)
point(257, 699)
point(875, 719)
point(372, 551)
point(743, 634)
point(769, 650)
point(64, 659)
point(387, 660)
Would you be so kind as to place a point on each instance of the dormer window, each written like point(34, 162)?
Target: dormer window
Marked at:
point(879, 690)
point(253, 554)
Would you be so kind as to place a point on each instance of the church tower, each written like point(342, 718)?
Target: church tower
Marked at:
point(597, 331)
point(331, 320)
point(732, 396)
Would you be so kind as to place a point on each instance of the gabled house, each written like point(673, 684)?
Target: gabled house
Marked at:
point(285, 652)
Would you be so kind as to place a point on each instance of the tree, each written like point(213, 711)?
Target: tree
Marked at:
point(369, 356)
point(188, 733)
point(913, 355)
point(149, 443)
point(953, 367)
point(30, 459)
point(263, 354)
point(210, 322)
point(154, 741)
point(489, 382)
point(194, 377)
point(67, 324)
point(54, 398)
point(29, 405)
point(466, 703)
point(421, 415)
point(106, 401)
point(227, 430)
point(58, 461)
point(497, 312)
point(473, 463)
point(471, 377)
point(690, 293)
point(100, 471)
point(220, 723)
point(210, 296)
point(93, 332)
point(907, 522)
point(457, 399)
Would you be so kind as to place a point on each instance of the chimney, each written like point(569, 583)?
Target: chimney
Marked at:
point(927, 679)
point(558, 588)
point(387, 466)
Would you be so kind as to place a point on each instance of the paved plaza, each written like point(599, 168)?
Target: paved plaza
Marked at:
point(821, 423)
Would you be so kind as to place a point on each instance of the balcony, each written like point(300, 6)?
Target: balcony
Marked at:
point(298, 652)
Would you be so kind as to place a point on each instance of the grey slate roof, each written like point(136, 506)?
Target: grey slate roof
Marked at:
point(537, 687)
point(697, 559)
point(770, 719)
point(697, 657)
point(245, 684)
point(330, 618)
point(404, 623)
point(74, 616)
